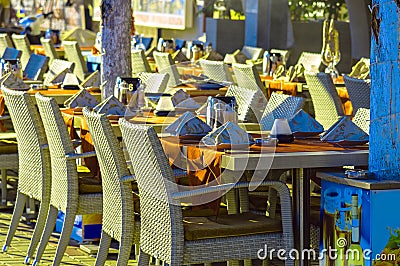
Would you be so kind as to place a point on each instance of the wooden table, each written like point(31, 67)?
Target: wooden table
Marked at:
point(38, 49)
point(302, 162)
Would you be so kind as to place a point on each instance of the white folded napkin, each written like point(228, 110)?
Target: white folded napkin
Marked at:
point(344, 130)
point(303, 122)
point(228, 133)
point(81, 99)
point(10, 81)
point(188, 124)
point(111, 106)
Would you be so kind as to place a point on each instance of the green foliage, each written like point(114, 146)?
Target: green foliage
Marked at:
point(314, 10)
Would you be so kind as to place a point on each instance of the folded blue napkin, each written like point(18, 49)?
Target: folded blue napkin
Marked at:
point(188, 124)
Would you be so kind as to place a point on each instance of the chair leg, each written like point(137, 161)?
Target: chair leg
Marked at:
point(125, 247)
point(247, 262)
point(18, 210)
point(105, 243)
point(233, 263)
point(144, 259)
point(39, 227)
point(50, 223)
point(4, 186)
point(68, 225)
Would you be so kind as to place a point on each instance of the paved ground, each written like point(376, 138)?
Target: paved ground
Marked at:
point(16, 253)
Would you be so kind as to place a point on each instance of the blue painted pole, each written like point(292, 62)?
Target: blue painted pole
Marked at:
point(384, 158)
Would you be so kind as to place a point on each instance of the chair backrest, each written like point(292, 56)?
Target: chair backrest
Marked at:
point(118, 200)
point(64, 183)
point(310, 61)
point(280, 106)
point(359, 92)
point(11, 53)
point(327, 104)
point(155, 82)
point(22, 43)
point(57, 67)
point(248, 77)
point(245, 100)
point(36, 67)
point(49, 49)
point(161, 216)
point(34, 160)
point(216, 70)
point(5, 42)
point(165, 64)
point(73, 54)
point(252, 53)
point(139, 62)
point(362, 119)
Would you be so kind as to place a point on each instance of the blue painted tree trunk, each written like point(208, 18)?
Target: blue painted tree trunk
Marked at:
point(384, 158)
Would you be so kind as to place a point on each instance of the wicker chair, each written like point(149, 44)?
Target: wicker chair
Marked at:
point(362, 119)
point(5, 42)
point(56, 68)
point(22, 43)
point(155, 82)
point(36, 67)
point(216, 70)
point(167, 236)
point(359, 92)
point(118, 205)
point(34, 173)
point(165, 64)
point(310, 61)
point(139, 62)
point(67, 190)
point(73, 53)
point(252, 53)
point(327, 105)
point(280, 106)
point(248, 77)
point(49, 49)
point(11, 54)
point(248, 110)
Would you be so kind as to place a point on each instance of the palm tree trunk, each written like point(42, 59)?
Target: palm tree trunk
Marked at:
point(116, 45)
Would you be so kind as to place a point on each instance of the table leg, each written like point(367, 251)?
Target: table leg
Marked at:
point(301, 203)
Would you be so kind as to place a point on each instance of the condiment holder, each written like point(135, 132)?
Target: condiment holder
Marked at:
point(281, 131)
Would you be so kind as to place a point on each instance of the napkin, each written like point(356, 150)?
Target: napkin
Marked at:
point(302, 122)
point(297, 72)
point(189, 103)
point(81, 99)
point(110, 106)
point(228, 133)
point(188, 124)
point(10, 81)
point(213, 55)
point(59, 78)
point(202, 111)
point(93, 80)
point(70, 79)
point(178, 56)
point(179, 97)
point(344, 130)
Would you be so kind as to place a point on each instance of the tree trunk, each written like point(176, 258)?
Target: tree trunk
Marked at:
point(116, 42)
point(385, 82)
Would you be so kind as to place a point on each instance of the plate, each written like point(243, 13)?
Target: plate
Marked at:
point(206, 86)
point(192, 136)
point(164, 113)
point(229, 146)
point(348, 143)
point(304, 135)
